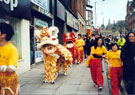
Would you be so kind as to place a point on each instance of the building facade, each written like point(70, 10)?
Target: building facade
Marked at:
point(89, 15)
point(79, 9)
point(130, 17)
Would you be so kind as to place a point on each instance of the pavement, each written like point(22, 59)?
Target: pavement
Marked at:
point(77, 82)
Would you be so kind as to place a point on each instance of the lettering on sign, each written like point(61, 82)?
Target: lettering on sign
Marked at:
point(44, 11)
point(13, 3)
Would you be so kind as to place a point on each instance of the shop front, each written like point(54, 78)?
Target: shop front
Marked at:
point(60, 19)
point(39, 24)
point(13, 14)
point(75, 26)
point(41, 17)
point(69, 21)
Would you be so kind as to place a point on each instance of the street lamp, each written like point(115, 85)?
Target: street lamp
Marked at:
point(95, 13)
point(98, 18)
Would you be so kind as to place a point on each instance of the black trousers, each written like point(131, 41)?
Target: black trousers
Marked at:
point(130, 86)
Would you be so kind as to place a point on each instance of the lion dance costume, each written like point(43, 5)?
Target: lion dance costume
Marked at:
point(68, 41)
point(53, 53)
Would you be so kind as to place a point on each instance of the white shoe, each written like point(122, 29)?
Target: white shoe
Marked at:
point(53, 82)
point(44, 81)
point(70, 66)
point(100, 88)
point(96, 85)
point(65, 74)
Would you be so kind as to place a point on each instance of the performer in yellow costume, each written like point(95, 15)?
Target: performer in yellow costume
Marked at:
point(8, 62)
point(53, 52)
point(79, 44)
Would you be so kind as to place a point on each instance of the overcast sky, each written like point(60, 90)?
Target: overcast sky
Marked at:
point(109, 9)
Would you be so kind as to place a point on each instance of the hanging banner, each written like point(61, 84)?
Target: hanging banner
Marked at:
point(16, 8)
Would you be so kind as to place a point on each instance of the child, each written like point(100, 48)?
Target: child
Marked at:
point(79, 44)
point(8, 62)
point(115, 66)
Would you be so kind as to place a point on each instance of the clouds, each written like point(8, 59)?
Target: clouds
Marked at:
point(112, 9)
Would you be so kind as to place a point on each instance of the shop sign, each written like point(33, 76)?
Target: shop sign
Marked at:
point(40, 23)
point(76, 25)
point(10, 3)
point(15, 8)
point(42, 3)
point(70, 21)
point(60, 11)
point(42, 11)
point(38, 56)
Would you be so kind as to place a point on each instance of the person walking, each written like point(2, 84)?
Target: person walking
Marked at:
point(128, 59)
point(97, 53)
point(86, 47)
point(8, 62)
point(115, 68)
point(79, 44)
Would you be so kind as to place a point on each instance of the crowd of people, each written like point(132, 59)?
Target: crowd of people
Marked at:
point(119, 54)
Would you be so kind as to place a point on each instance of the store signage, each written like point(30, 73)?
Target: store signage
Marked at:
point(42, 3)
point(60, 11)
point(38, 56)
point(42, 11)
point(13, 3)
point(70, 21)
point(76, 25)
point(15, 8)
point(40, 23)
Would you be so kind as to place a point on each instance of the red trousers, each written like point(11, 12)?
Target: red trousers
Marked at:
point(115, 75)
point(96, 72)
point(80, 56)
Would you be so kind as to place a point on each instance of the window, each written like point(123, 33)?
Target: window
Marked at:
point(16, 39)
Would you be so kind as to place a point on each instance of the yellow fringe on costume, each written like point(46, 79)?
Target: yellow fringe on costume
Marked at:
point(50, 68)
point(61, 63)
point(61, 57)
point(65, 53)
point(65, 58)
point(10, 81)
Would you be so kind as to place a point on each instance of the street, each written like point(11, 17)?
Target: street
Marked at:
point(77, 82)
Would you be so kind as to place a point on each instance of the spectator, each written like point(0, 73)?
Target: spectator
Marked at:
point(97, 36)
point(86, 47)
point(107, 42)
point(121, 42)
point(128, 58)
point(31, 51)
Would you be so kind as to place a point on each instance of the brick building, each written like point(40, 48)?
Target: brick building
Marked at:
point(79, 9)
point(130, 17)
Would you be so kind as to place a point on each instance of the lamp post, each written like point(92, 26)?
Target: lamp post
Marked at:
point(95, 12)
point(98, 18)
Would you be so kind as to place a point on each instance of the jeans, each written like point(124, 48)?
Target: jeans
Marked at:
point(31, 56)
point(130, 86)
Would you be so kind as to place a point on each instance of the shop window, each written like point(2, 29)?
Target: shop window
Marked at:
point(16, 39)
